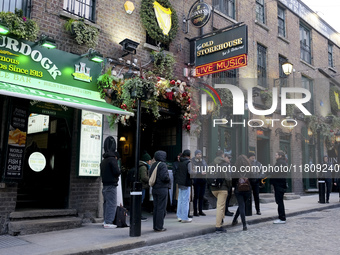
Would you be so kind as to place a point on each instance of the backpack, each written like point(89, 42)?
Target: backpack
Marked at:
point(120, 219)
point(243, 184)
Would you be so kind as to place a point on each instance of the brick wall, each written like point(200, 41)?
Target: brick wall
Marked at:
point(8, 197)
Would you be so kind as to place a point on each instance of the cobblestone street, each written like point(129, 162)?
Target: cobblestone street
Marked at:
point(312, 233)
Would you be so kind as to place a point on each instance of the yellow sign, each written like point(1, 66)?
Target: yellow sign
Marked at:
point(163, 16)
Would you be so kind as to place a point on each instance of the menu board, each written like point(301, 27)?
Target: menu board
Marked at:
point(90, 143)
point(16, 142)
point(37, 123)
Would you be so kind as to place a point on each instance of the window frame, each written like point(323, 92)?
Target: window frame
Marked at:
point(330, 55)
point(307, 81)
point(25, 7)
point(226, 7)
point(260, 11)
point(282, 21)
point(262, 66)
point(305, 44)
point(89, 14)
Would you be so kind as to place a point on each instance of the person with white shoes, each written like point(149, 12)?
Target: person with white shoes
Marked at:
point(280, 186)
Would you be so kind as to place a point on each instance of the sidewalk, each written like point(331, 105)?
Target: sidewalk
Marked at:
point(94, 239)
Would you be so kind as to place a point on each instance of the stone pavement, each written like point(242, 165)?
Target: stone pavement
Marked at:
point(93, 239)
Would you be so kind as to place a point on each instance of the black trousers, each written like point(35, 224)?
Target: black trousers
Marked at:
point(241, 197)
point(255, 186)
point(160, 199)
point(199, 190)
point(328, 188)
point(279, 193)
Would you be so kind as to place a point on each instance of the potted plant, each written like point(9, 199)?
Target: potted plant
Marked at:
point(84, 34)
point(19, 25)
point(163, 64)
point(109, 86)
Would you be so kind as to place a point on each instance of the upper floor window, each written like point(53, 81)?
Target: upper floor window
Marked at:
point(305, 44)
point(261, 65)
point(81, 8)
point(281, 19)
point(330, 55)
point(227, 7)
point(153, 42)
point(226, 77)
point(260, 11)
point(11, 5)
point(308, 84)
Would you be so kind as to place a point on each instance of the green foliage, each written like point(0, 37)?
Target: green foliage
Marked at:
point(163, 64)
point(106, 81)
point(19, 25)
point(332, 99)
point(84, 34)
point(267, 97)
point(149, 21)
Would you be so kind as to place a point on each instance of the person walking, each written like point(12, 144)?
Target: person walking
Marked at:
point(110, 173)
point(328, 176)
point(255, 181)
point(144, 166)
point(280, 186)
point(184, 183)
point(242, 195)
point(220, 191)
point(199, 182)
point(160, 190)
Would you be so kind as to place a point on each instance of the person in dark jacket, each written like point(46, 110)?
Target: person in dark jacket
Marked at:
point(328, 176)
point(110, 173)
point(255, 181)
point(280, 187)
point(160, 190)
point(199, 182)
point(221, 193)
point(183, 180)
point(241, 196)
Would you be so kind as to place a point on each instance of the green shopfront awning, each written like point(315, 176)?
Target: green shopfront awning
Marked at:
point(62, 99)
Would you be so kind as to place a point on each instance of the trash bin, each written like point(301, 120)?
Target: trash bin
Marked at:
point(322, 191)
point(248, 206)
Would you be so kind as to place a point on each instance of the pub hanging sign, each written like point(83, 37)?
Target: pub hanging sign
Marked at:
point(200, 14)
point(221, 52)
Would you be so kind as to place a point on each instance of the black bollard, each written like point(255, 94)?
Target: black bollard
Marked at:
point(136, 209)
point(248, 206)
point(322, 191)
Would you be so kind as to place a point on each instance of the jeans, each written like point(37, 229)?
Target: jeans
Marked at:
point(221, 196)
point(183, 203)
point(160, 199)
point(199, 190)
point(110, 203)
point(241, 197)
point(143, 195)
point(279, 193)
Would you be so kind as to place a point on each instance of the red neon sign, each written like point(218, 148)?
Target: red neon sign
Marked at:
point(222, 65)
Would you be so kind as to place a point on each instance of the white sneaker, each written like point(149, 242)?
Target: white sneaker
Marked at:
point(279, 221)
point(110, 226)
point(179, 219)
point(189, 220)
point(103, 223)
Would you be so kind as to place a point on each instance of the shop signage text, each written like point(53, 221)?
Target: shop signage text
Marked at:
point(200, 14)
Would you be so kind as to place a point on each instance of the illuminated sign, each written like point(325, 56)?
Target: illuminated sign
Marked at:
point(222, 65)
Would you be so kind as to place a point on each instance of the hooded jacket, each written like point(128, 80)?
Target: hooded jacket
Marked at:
point(183, 176)
point(109, 169)
point(220, 161)
point(162, 177)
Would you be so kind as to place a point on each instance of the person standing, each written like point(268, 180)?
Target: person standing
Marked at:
point(144, 166)
point(184, 184)
point(328, 176)
point(221, 192)
point(241, 195)
point(110, 173)
point(337, 183)
point(280, 187)
point(199, 182)
point(255, 181)
point(160, 190)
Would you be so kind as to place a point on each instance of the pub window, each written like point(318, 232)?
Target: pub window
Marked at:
point(168, 136)
point(225, 77)
point(260, 11)
point(305, 44)
point(261, 65)
point(281, 19)
point(330, 55)
point(308, 84)
point(227, 7)
point(81, 8)
point(11, 5)
point(153, 42)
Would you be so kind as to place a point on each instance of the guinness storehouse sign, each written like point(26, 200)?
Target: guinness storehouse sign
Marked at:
point(200, 14)
point(221, 52)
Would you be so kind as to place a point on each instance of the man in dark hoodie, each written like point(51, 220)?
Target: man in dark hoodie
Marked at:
point(110, 173)
point(160, 190)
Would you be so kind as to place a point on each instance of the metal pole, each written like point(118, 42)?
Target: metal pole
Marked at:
point(136, 192)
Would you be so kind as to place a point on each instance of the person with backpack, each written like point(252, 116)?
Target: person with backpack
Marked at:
point(144, 165)
point(183, 180)
point(110, 173)
point(242, 189)
point(219, 185)
point(160, 190)
point(280, 187)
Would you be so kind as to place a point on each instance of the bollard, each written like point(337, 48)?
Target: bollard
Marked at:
point(136, 209)
point(248, 206)
point(322, 191)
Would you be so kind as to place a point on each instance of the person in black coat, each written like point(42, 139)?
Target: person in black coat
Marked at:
point(110, 173)
point(280, 187)
point(199, 182)
point(160, 190)
point(255, 181)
